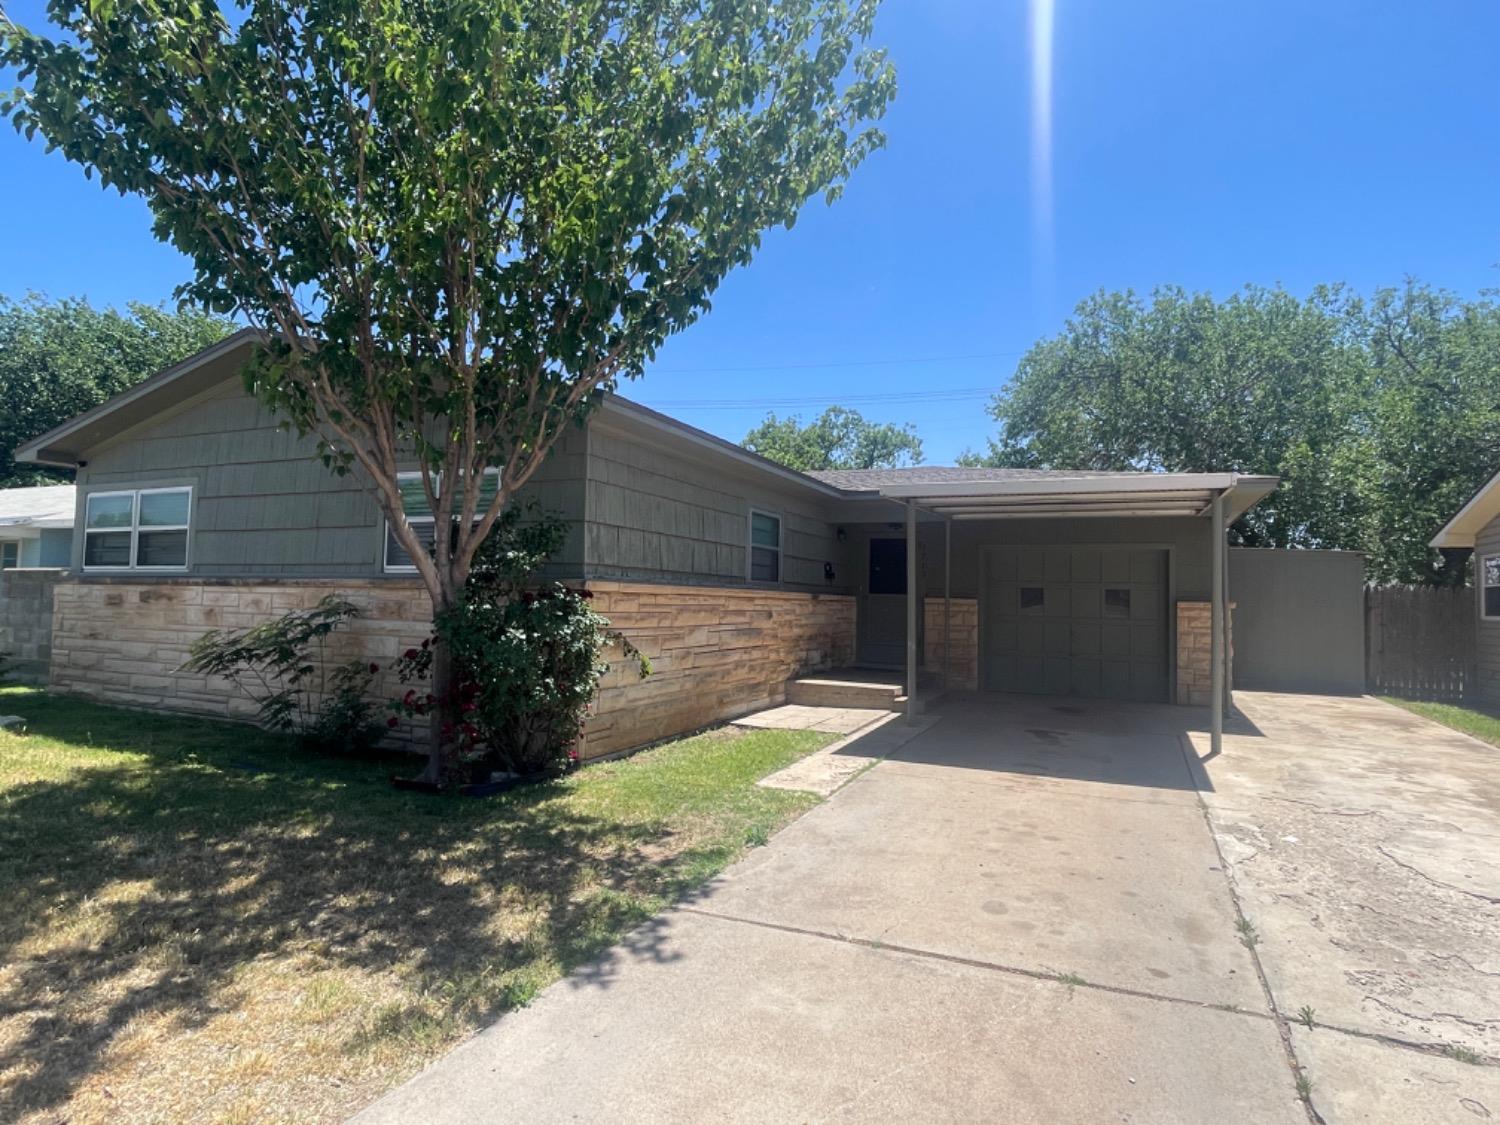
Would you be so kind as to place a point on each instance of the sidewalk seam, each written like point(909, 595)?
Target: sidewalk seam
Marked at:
point(1283, 1029)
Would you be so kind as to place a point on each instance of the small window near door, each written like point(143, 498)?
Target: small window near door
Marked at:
point(1489, 571)
point(765, 547)
point(1117, 601)
point(1033, 597)
point(10, 554)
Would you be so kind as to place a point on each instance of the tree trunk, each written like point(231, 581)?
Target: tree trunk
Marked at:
point(441, 719)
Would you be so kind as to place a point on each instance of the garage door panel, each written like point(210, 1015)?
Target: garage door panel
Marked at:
point(1085, 565)
point(1114, 565)
point(1086, 677)
point(1000, 672)
point(1030, 564)
point(1146, 604)
point(1114, 640)
point(1145, 683)
point(1004, 636)
point(1086, 639)
point(1145, 566)
point(1146, 642)
point(1057, 635)
point(1086, 602)
point(1115, 679)
point(1000, 566)
point(1059, 675)
point(1059, 601)
point(1080, 621)
point(1031, 638)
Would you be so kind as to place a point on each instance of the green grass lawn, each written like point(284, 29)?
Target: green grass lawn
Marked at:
point(1477, 723)
point(201, 923)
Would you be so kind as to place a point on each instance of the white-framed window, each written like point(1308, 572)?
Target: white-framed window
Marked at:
point(765, 546)
point(10, 555)
point(419, 515)
point(1489, 587)
point(137, 529)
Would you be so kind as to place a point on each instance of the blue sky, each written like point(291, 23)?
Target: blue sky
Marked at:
point(1200, 144)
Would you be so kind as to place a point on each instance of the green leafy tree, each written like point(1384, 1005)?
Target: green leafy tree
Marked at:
point(456, 222)
point(1379, 416)
point(839, 438)
point(60, 358)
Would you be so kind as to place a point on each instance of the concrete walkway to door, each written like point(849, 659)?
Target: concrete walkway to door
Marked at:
point(1022, 915)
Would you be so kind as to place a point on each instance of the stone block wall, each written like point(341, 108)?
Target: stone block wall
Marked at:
point(1195, 652)
point(963, 630)
point(26, 622)
point(123, 640)
point(716, 652)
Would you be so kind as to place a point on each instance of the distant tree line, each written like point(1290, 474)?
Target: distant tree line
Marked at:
point(1380, 414)
point(839, 438)
point(60, 358)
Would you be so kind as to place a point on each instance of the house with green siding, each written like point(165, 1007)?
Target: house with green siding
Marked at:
point(738, 577)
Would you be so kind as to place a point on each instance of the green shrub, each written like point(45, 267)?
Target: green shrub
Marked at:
point(282, 665)
point(527, 658)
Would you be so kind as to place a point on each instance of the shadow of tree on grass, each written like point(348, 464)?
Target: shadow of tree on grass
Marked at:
point(143, 880)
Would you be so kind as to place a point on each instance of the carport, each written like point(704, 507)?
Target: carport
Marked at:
point(1211, 501)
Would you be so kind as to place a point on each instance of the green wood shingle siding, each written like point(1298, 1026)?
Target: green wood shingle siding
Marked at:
point(1487, 654)
point(655, 516)
point(263, 504)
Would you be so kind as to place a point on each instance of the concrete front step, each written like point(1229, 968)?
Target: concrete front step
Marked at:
point(824, 691)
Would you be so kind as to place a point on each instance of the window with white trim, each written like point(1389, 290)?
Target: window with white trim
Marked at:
point(137, 529)
point(1489, 577)
point(423, 522)
point(765, 547)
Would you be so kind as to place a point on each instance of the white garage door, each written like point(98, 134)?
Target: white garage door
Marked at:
point(1085, 621)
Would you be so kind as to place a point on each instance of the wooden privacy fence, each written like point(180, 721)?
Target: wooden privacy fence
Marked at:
point(1420, 642)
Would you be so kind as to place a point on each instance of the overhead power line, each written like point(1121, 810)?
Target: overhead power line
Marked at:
point(831, 398)
point(911, 362)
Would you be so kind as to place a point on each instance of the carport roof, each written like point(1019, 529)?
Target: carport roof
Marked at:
point(972, 494)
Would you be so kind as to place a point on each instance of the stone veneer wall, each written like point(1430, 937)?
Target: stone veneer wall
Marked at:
point(1195, 652)
point(123, 640)
point(717, 652)
point(963, 629)
point(26, 622)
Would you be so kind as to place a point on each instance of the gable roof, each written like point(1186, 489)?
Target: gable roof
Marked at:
point(50, 505)
point(949, 490)
point(1471, 519)
point(63, 445)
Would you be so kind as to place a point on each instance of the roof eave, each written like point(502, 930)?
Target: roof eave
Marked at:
point(48, 449)
point(1462, 529)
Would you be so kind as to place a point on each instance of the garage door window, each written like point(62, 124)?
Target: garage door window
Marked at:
point(1490, 568)
point(1033, 597)
point(1116, 601)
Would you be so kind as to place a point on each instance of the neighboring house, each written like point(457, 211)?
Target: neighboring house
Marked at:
point(1477, 528)
point(36, 526)
point(734, 574)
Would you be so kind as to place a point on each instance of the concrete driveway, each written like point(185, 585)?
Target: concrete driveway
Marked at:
point(1041, 911)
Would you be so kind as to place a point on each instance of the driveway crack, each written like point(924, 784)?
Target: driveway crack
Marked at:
point(1491, 899)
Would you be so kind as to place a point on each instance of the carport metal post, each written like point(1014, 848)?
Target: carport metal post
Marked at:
point(912, 577)
point(1216, 627)
point(947, 600)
